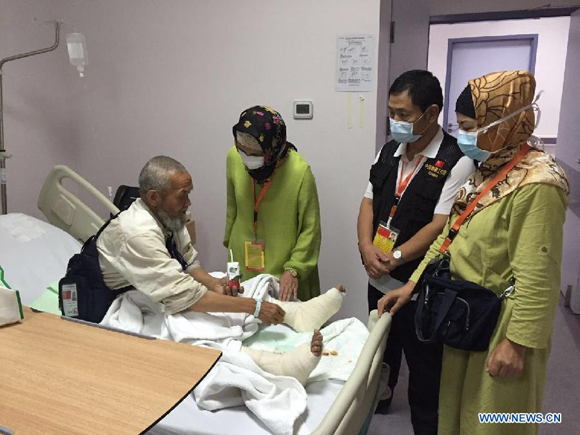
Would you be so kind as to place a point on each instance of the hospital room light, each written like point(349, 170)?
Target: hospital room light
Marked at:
point(78, 58)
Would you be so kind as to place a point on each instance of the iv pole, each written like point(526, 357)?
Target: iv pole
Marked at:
point(3, 155)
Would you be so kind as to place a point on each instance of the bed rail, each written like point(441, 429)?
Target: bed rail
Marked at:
point(353, 407)
point(65, 210)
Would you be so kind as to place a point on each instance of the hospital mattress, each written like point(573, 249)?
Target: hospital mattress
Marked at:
point(33, 254)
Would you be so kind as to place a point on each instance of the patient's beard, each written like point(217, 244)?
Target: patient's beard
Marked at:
point(174, 224)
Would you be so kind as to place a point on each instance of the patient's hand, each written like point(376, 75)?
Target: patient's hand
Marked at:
point(271, 314)
point(288, 287)
point(221, 287)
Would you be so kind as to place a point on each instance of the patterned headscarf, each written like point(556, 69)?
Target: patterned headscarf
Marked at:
point(496, 96)
point(267, 127)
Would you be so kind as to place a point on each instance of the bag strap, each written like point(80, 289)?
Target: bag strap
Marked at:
point(419, 320)
point(96, 236)
point(459, 221)
point(448, 299)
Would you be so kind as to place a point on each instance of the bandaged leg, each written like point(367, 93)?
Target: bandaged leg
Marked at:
point(297, 363)
point(310, 315)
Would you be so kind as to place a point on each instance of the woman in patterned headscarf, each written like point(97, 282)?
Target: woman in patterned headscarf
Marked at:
point(273, 217)
point(515, 232)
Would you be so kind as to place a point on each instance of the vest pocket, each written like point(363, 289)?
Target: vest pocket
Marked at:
point(427, 197)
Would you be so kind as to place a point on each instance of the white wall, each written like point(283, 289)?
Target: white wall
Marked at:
point(550, 58)
point(171, 77)
point(37, 119)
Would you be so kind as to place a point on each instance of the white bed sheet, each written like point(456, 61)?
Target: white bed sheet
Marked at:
point(33, 254)
point(188, 419)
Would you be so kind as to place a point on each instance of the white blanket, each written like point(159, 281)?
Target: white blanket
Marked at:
point(277, 401)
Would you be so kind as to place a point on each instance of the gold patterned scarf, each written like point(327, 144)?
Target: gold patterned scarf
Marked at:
point(496, 96)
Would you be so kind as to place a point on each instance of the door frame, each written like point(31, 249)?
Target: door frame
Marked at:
point(533, 37)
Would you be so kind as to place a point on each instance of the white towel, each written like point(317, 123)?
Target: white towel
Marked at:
point(235, 380)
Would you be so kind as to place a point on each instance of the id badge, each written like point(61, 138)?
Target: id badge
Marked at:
point(386, 237)
point(255, 255)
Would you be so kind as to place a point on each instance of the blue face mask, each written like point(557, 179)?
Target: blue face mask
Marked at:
point(403, 131)
point(467, 141)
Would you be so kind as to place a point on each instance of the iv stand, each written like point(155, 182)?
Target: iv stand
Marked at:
point(3, 155)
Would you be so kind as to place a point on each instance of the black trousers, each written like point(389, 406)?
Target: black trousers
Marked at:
point(424, 361)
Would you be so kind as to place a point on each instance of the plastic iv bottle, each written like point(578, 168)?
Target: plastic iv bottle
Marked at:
point(77, 51)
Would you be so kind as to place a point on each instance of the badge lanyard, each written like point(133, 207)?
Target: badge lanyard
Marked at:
point(455, 229)
point(386, 235)
point(258, 201)
point(254, 250)
point(403, 183)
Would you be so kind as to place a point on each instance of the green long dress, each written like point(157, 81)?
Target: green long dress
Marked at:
point(288, 220)
point(518, 236)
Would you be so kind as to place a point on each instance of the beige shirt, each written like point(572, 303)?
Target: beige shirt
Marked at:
point(132, 251)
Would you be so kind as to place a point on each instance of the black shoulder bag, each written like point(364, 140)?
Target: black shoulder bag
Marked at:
point(460, 314)
point(82, 293)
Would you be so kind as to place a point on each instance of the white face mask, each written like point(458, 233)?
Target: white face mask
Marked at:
point(251, 162)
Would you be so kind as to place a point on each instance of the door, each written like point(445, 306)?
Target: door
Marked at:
point(469, 58)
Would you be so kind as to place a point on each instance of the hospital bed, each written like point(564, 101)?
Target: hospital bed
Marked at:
point(333, 407)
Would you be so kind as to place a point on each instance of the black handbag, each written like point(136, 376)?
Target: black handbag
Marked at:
point(460, 314)
point(82, 293)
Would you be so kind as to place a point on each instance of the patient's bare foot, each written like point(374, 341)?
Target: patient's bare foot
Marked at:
point(316, 343)
point(340, 288)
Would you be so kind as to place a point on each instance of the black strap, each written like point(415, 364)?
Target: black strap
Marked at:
point(174, 252)
point(448, 300)
point(105, 225)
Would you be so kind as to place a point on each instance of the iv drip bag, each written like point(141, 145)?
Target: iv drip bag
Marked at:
point(77, 51)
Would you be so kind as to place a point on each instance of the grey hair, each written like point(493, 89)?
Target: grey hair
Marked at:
point(155, 174)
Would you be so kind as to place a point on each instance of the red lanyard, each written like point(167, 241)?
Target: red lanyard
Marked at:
point(455, 229)
point(403, 185)
point(259, 200)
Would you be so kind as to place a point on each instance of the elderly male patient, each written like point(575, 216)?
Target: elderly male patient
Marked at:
point(148, 247)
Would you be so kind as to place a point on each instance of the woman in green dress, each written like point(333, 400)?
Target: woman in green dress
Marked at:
point(273, 217)
point(515, 232)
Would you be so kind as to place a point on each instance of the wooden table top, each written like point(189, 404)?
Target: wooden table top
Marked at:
point(58, 376)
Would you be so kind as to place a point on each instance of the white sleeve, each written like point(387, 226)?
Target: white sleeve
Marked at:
point(369, 191)
point(457, 178)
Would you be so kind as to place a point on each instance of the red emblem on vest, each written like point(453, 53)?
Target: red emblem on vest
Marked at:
point(439, 163)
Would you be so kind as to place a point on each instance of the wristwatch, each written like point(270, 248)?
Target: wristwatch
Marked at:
point(398, 255)
point(292, 272)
